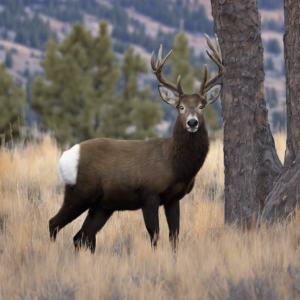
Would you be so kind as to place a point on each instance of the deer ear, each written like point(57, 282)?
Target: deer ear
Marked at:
point(168, 95)
point(213, 93)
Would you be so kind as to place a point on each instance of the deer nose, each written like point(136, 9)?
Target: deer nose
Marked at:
point(192, 123)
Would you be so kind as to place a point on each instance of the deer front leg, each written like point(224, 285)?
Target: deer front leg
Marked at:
point(172, 212)
point(150, 213)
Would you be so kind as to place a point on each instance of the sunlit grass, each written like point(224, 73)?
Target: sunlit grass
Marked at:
point(212, 262)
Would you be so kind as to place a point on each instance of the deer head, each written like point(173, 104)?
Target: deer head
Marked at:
point(190, 106)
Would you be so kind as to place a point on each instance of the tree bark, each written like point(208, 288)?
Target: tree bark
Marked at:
point(286, 192)
point(251, 162)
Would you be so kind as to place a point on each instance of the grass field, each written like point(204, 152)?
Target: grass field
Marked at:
point(213, 261)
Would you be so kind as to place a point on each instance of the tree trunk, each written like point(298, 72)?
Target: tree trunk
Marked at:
point(251, 162)
point(286, 192)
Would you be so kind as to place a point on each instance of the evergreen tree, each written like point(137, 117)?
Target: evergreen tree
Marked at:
point(131, 108)
point(179, 61)
point(145, 115)
point(142, 112)
point(70, 101)
point(107, 73)
point(12, 100)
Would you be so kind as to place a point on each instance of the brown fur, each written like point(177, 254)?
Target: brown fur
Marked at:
point(129, 175)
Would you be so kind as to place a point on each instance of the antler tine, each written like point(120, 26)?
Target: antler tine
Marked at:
point(216, 54)
point(166, 57)
point(216, 57)
point(201, 90)
point(213, 58)
point(157, 68)
point(179, 89)
point(218, 47)
point(220, 73)
point(159, 56)
point(152, 62)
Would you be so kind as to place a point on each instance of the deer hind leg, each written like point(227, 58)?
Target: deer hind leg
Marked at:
point(150, 213)
point(95, 220)
point(172, 212)
point(73, 206)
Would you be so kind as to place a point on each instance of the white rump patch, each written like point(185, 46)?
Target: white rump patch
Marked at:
point(68, 165)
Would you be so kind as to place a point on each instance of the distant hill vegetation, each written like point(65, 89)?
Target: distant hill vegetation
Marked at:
point(270, 4)
point(194, 21)
point(17, 25)
point(30, 30)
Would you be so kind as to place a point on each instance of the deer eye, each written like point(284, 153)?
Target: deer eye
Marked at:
point(201, 107)
point(181, 108)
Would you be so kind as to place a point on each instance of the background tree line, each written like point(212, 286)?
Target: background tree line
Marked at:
point(84, 92)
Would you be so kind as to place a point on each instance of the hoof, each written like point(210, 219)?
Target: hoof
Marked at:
point(84, 242)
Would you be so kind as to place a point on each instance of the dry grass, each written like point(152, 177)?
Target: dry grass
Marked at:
point(213, 262)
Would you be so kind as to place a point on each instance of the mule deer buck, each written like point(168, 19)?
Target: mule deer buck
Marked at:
point(107, 175)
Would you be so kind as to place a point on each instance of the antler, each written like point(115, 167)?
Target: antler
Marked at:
point(216, 56)
point(158, 68)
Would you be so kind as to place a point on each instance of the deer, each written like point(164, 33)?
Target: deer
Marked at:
point(105, 175)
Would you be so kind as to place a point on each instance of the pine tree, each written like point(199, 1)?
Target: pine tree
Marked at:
point(77, 72)
point(145, 115)
point(131, 108)
point(12, 100)
point(63, 104)
point(179, 61)
point(107, 74)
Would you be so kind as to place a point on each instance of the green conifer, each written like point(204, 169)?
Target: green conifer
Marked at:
point(12, 100)
point(132, 109)
point(179, 61)
point(81, 74)
point(145, 115)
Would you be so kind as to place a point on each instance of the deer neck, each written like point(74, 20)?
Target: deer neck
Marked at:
point(189, 150)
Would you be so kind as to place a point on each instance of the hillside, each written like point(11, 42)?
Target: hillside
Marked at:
point(26, 25)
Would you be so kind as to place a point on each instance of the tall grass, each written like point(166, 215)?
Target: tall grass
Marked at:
point(213, 261)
